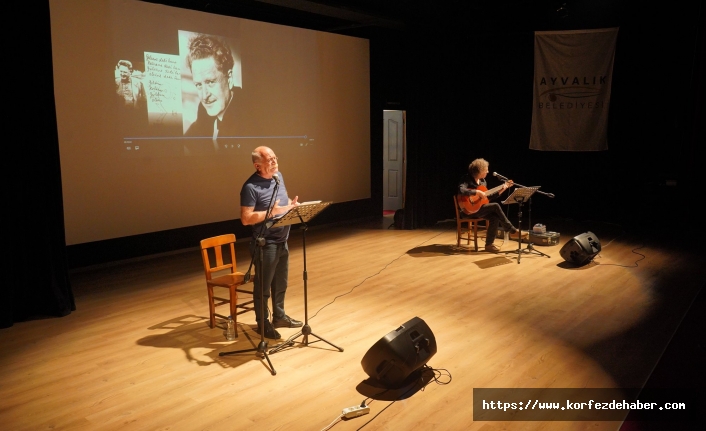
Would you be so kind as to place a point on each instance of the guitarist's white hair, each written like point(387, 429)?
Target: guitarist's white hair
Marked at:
point(477, 166)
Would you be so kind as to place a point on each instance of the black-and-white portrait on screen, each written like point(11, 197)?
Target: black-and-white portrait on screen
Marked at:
point(211, 75)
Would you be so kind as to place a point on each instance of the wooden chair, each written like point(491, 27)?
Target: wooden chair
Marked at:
point(232, 280)
point(472, 225)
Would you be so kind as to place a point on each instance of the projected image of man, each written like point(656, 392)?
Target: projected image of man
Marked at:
point(130, 91)
point(211, 63)
point(131, 97)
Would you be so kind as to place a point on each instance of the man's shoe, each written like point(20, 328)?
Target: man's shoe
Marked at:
point(491, 248)
point(270, 331)
point(287, 322)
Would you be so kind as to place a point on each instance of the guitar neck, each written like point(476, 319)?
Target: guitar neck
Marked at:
point(494, 190)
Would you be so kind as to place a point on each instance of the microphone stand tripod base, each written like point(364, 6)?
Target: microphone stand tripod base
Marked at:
point(261, 350)
point(305, 332)
point(530, 249)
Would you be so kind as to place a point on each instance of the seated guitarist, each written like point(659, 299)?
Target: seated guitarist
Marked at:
point(473, 198)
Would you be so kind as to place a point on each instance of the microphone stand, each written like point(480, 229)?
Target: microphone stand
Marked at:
point(549, 195)
point(260, 242)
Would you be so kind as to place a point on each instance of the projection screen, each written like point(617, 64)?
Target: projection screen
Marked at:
point(140, 148)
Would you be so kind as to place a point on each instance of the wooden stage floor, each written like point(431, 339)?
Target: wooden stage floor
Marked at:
point(137, 354)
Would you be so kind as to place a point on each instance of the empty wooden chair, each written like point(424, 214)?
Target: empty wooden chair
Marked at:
point(231, 280)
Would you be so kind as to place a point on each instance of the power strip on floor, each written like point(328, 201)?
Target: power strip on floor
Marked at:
point(355, 411)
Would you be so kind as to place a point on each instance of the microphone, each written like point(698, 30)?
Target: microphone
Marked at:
point(276, 177)
point(495, 174)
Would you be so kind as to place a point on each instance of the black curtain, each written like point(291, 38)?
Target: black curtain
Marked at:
point(470, 92)
point(36, 281)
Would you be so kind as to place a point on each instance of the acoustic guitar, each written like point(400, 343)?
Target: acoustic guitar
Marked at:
point(471, 204)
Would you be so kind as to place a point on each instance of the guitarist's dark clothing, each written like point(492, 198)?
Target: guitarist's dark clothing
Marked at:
point(491, 211)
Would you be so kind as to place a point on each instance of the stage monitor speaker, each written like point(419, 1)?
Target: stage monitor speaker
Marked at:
point(400, 353)
point(581, 249)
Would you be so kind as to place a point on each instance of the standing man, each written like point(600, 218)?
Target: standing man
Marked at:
point(255, 199)
point(211, 63)
point(469, 186)
point(130, 91)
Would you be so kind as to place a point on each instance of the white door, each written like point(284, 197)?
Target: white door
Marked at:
point(393, 160)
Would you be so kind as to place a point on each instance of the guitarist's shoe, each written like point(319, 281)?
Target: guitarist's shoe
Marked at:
point(491, 248)
point(516, 234)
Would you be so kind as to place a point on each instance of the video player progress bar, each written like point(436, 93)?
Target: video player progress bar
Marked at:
point(159, 138)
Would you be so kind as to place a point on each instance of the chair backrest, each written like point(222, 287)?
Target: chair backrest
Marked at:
point(216, 243)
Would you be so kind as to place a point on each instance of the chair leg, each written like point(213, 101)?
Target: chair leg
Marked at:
point(211, 308)
point(234, 306)
point(458, 233)
point(475, 234)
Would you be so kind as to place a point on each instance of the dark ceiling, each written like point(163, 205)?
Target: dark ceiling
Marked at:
point(361, 16)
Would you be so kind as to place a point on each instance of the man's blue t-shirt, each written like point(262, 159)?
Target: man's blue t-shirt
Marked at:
point(257, 192)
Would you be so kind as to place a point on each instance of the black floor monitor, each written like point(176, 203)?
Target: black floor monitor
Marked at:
point(581, 249)
point(400, 353)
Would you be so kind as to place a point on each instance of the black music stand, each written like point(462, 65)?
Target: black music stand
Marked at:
point(520, 196)
point(302, 214)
